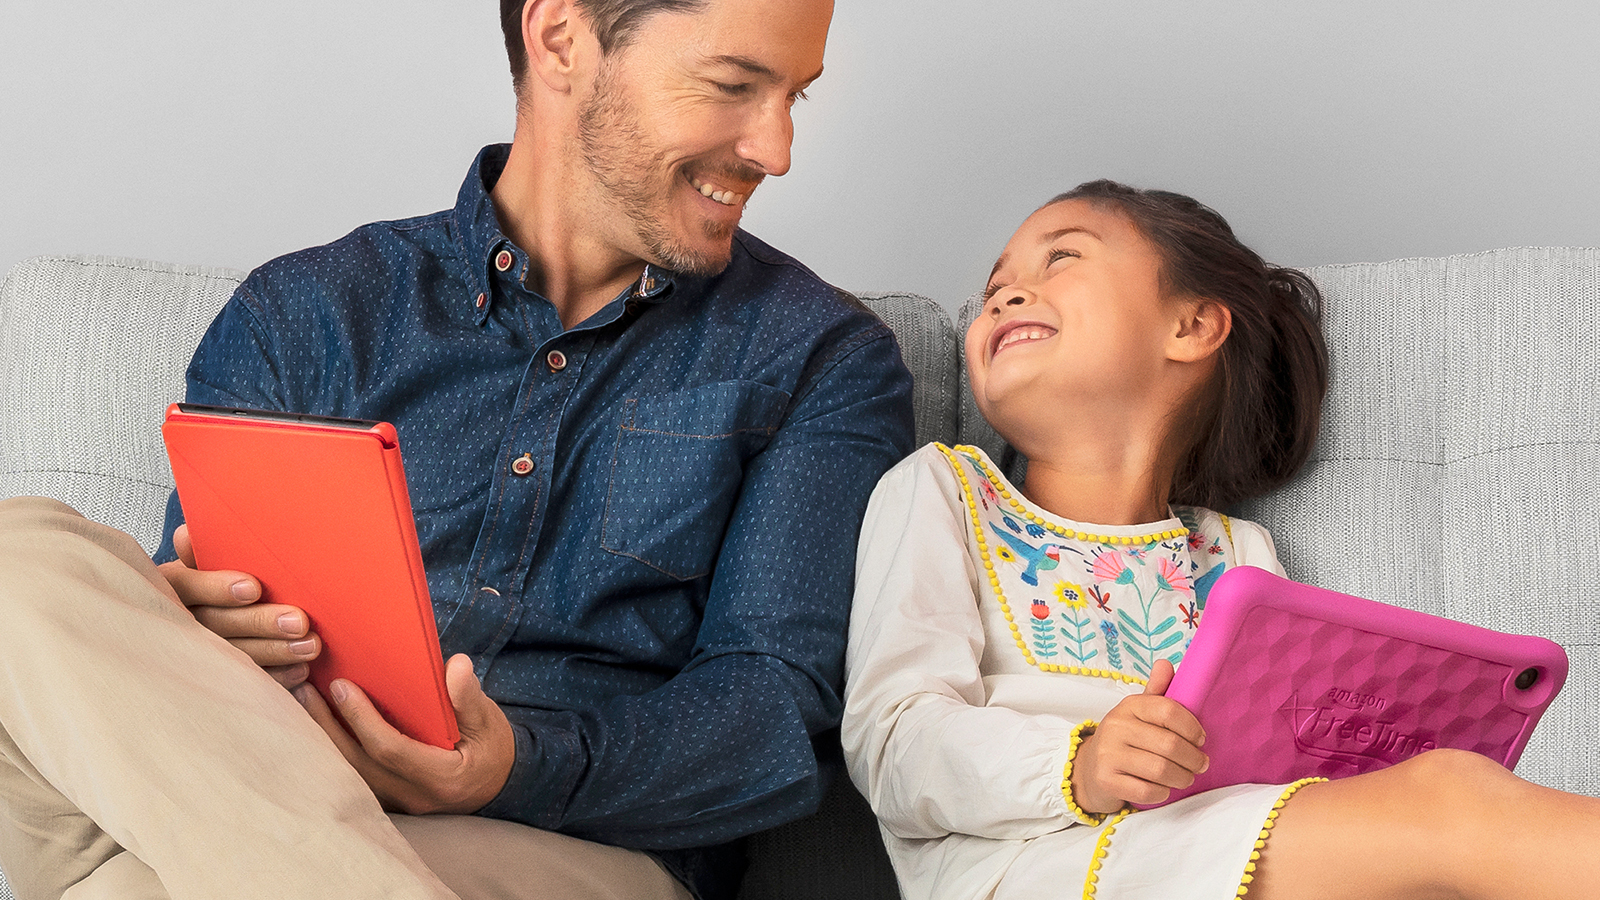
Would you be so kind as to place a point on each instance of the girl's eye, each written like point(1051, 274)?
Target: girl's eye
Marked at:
point(1060, 254)
point(989, 291)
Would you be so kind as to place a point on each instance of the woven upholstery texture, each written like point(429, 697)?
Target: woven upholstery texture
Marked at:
point(1457, 465)
point(92, 349)
point(931, 350)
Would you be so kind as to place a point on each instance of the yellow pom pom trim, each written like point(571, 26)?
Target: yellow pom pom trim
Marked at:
point(1083, 730)
point(1266, 832)
point(1101, 848)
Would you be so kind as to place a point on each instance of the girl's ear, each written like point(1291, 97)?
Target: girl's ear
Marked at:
point(1202, 325)
point(552, 32)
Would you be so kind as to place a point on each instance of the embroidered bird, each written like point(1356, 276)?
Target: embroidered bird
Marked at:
point(1040, 559)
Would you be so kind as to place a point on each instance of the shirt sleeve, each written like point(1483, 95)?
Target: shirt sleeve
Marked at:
point(729, 746)
point(1252, 546)
point(234, 365)
point(920, 742)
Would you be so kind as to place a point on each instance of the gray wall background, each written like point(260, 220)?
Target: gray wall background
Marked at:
point(1345, 130)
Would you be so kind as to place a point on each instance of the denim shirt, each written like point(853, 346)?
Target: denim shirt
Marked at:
point(642, 529)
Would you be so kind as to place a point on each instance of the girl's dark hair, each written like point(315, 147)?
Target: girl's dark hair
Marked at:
point(614, 22)
point(1259, 419)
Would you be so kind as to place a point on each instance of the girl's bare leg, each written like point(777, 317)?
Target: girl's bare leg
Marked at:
point(1446, 824)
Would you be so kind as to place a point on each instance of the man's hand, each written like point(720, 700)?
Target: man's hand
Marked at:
point(1144, 748)
point(412, 777)
point(277, 637)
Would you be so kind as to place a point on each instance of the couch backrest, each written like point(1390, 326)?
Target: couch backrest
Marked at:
point(92, 349)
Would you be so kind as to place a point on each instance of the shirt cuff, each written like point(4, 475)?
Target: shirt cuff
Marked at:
point(1079, 732)
point(543, 777)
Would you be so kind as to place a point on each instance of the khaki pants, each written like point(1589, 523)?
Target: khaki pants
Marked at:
point(141, 757)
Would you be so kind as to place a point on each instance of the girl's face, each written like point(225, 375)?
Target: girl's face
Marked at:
point(1075, 321)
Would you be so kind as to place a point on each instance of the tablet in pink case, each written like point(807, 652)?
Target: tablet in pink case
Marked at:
point(1292, 681)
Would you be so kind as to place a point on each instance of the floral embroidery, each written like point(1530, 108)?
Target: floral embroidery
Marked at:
point(1113, 654)
point(1109, 566)
point(1171, 576)
point(1071, 595)
point(1148, 591)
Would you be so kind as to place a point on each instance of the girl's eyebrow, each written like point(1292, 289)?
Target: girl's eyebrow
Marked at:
point(1071, 229)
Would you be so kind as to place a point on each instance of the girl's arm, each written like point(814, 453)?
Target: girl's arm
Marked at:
point(921, 744)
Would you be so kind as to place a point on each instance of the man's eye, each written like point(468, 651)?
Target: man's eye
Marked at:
point(733, 90)
point(798, 95)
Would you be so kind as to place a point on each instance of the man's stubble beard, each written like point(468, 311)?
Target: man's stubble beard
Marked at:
point(615, 149)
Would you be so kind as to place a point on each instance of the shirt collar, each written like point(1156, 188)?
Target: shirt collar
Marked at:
point(482, 242)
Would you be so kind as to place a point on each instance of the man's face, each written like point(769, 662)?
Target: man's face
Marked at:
point(686, 119)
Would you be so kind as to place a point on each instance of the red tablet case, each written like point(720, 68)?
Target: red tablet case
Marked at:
point(317, 510)
point(1291, 681)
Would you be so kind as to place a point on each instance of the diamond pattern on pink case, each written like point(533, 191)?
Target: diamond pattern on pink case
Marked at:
point(1349, 722)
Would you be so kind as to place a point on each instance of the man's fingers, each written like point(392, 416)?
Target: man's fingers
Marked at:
point(291, 676)
point(268, 621)
point(382, 741)
point(202, 588)
point(183, 546)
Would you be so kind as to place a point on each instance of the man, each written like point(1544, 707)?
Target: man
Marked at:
point(638, 445)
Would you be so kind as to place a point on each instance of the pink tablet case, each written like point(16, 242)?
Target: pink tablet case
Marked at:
point(317, 510)
point(1292, 681)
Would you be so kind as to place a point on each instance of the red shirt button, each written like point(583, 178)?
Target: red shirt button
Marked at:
point(503, 260)
point(522, 465)
point(480, 301)
point(557, 360)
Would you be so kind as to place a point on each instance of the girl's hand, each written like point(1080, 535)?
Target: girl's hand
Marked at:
point(1144, 748)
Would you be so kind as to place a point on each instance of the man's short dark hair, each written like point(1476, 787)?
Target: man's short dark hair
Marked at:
point(615, 23)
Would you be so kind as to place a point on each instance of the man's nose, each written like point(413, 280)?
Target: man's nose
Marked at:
point(766, 142)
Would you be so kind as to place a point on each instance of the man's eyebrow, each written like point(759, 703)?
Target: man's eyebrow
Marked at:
point(755, 67)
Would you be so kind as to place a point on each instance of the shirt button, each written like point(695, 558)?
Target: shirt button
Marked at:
point(522, 465)
point(503, 260)
point(557, 360)
point(482, 299)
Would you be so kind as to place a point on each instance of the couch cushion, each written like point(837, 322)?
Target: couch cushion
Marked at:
point(928, 344)
point(92, 349)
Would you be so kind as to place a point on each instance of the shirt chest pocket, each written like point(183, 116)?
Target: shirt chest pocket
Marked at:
point(678, 468)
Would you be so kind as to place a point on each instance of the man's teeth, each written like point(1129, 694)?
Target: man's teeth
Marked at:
point(726, 198)
point(1025, 333)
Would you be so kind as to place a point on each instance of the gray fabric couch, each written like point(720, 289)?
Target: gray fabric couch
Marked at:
point(1456, 471)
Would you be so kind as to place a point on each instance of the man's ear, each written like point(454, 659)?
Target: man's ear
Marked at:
point(554, 35)
point(1202, 325)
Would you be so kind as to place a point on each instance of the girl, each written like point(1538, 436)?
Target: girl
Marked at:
point(1010, 646)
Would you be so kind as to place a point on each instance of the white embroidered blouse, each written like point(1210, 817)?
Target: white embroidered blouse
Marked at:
point(984, 632)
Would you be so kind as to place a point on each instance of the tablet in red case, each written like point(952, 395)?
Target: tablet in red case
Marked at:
point(317, 510)
point(1292, 681)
